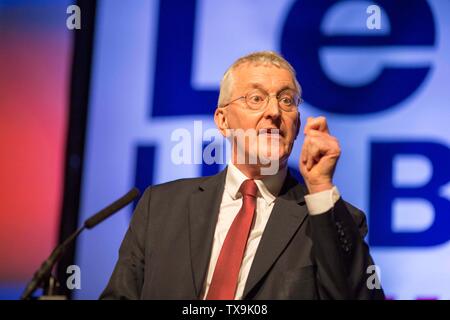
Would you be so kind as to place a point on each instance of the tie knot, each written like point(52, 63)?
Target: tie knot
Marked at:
point(248, 188)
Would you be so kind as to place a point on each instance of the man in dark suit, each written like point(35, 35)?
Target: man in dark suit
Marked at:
point(251, 231)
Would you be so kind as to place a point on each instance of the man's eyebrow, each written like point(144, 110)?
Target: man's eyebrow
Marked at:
point(256, 85)
point(288, 88)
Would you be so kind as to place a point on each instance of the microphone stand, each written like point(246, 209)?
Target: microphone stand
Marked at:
point(43, 277)
point(51, 288)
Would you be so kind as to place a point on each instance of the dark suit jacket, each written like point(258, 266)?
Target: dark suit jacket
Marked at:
point(166, 250)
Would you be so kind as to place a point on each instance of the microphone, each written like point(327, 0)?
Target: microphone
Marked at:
point(47, 266)
point(111, 209)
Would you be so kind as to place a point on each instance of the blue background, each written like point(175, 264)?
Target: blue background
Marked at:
point(157, 67)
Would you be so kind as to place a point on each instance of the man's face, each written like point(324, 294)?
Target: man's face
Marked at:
point(271, 80)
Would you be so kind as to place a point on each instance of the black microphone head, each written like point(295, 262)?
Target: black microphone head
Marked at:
point(112, 208)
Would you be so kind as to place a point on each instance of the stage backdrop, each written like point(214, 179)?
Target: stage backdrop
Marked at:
point(35, 62)
point(383, 85)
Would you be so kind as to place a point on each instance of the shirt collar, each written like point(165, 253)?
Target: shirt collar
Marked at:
point(268, 187)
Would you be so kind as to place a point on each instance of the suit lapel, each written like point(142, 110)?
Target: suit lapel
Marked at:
point(287, 215)
point(204, 206)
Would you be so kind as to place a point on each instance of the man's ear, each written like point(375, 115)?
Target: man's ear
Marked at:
point(220, 118)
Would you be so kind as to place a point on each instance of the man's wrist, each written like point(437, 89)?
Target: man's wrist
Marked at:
point(323, 201)
point(315, 188)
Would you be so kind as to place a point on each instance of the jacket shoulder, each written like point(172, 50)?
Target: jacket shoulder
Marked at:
point(185, 185)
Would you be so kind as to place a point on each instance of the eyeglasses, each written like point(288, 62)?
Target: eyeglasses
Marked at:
point(258, 100)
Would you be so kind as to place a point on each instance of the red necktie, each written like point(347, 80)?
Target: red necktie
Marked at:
point(225, 278)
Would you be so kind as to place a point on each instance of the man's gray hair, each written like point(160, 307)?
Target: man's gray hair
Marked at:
point(259, 57)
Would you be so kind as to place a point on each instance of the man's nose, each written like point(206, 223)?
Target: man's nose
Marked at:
point(273, 108)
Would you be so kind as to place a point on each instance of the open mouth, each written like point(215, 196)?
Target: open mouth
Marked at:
point(272, 132)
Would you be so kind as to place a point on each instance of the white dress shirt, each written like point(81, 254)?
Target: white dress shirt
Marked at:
point(268, 189)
